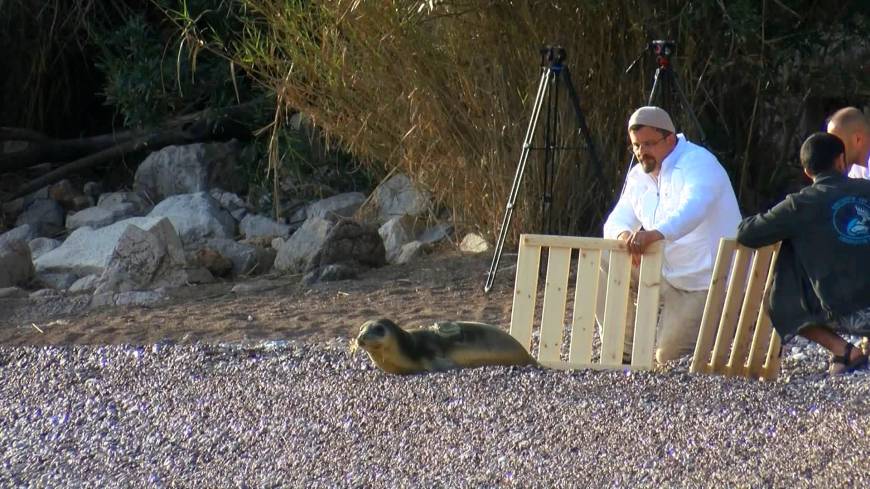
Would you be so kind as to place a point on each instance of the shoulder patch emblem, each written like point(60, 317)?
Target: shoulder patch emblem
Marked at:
point(851, 220)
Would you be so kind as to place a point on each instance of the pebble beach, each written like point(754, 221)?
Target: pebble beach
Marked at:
point(295, 414)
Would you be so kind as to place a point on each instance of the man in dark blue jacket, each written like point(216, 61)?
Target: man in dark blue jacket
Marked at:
point(822, 276)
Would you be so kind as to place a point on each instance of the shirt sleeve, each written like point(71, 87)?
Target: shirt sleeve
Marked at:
point(699, 193)
point(781, 222)
point(622, 218)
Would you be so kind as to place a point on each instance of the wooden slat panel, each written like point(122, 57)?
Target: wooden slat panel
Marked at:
point(763, 330)
point(713, 306)
point(585, 299)
point(525, 294)
point(733, 302)
point(771, 366)
point(749, 313)
point(615, 307)
point(545, 240)
point(555, 296)
point(647, 315)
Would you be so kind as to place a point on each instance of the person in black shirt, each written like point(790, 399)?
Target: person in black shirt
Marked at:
point(822, 276)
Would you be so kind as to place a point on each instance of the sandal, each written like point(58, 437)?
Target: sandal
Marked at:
point(841, 365)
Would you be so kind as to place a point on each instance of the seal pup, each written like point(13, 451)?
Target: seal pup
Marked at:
point(442, 346)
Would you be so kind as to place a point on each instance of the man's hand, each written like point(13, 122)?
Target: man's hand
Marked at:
point(626, 236)
point(640, 240)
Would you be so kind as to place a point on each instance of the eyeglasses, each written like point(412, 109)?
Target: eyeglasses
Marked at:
point(635, 147)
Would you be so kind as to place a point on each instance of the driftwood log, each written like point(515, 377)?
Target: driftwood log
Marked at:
point(238, 121)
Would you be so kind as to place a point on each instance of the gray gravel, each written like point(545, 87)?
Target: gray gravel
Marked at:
point(295, 415)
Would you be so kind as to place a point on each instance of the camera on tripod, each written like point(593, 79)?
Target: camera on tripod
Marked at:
point(663, 48)
point(552, 55)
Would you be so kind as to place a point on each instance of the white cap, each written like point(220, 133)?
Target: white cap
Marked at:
point(653, 117)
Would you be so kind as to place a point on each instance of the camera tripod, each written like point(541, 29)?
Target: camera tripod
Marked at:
point(665, 84)
point(553, 74)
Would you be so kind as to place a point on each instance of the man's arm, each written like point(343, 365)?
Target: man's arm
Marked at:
point(701, 189)
point(781, 222)
point(621, 219)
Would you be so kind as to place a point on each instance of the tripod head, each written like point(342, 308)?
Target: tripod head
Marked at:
point(663, 51)
point(552, 57)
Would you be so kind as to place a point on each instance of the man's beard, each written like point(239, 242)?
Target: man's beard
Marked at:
point(649, 164)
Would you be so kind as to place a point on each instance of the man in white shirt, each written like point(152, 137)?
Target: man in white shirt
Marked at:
point(852, 127)
point(678, 193)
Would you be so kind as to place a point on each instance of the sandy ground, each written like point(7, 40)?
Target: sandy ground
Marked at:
point(442, 286)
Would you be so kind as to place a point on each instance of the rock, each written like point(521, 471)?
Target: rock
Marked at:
point(410, 252)
point(474, 243)
point(45, 294)
point(13, 208)
point(12, 293)
point(64, 193)
point(398, 197)
point(93, 189)
point(396, 233)
point(177, 170)
point(85, 284)
point(260, 241)
point(82, 202)
point(257, 286)
point(349, 243)
point(295, 253)
point(246, 259)
point(59, 281)
point(16, 266)
point(97, 217)
point(213, 261)
point(88, 250)
point(332, 273)
point(145, 260)
point(277, 243)
point(436, 233)
point(132, 298)
point(197, 217)
point(254, 225)
point(46, 217)
point(341, 205)
point(116, 201)
point(233, 204)
point(24, 232)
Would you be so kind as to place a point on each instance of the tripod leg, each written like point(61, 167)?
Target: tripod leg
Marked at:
point(688, 108)
point(518, 176)
point(581, 123)
point(550, 155)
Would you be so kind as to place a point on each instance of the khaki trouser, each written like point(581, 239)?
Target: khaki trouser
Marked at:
point(679, 319)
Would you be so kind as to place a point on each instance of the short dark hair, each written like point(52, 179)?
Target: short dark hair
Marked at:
point(638, 127)
point(820, 151)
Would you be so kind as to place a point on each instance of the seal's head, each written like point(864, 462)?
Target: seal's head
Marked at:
point(377, 336)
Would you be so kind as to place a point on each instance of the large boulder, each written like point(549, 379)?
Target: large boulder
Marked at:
point(97, 217)
point(118, 202)
point(337, 206)
point(45, 216)
point(349, 248)
point(246, 259)
point(186, 169)
point(89, 250)
point(395, 233)
point(16, 266)
point(398, 197)
point(41, 246)
point(233, 204)
point(254, 225)
point(197, 217)
point(24, 232)
point(295, 253)
point(144, 260)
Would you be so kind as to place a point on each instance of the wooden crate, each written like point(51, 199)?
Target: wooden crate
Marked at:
point(736, 337)
point(553, 311)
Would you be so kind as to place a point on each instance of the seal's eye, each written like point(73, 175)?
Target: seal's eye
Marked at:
point(378, 330)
